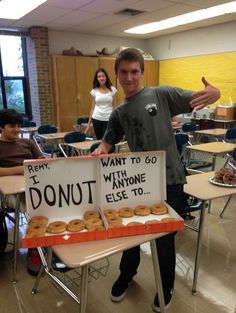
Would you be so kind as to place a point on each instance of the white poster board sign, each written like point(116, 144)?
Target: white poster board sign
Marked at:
point(62, 187)
point(67, 187)
point(133, 179)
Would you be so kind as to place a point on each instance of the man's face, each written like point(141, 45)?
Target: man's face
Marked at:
point(129, 75)
point(10, 132)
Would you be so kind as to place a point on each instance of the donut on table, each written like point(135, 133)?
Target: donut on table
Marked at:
point(56, 227)
point(110, 212)
point(158, 208)
point(93, 223)
point(75, 225)
point(142, 210)
point(114, 221)
point(134, 223)
point(126, 212)
point(35, 230)
point(91, 214)
point(152, 222)
point(168, 219)
point(229, 179)
point(39, 220)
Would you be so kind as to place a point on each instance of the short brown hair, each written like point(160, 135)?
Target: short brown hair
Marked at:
point(129, 54)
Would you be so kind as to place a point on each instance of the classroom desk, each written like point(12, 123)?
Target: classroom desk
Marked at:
point(198, 186)
point(226, 123)
point(215, 132)
point(215, 148)
point(53, 136)
point(13, 185)
point(84, 253)
point(83, 147)
point(28, 130)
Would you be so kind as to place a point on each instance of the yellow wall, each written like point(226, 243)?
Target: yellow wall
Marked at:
point(218, 69)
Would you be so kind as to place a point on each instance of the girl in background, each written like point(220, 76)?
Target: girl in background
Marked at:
point(103, 102)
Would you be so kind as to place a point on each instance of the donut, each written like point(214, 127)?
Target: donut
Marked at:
point(91, 227)
point(114, 221)
point(39, 220)
point(134, 224)
point(91, 214)
point(126, 212)
point(152, 222)
point(142, 210)
point(158, 208)
point(75, 225)
point(229, 179)
point(56, 227)
point(35, 230)
point(168, 219)
point(93, 222)
point(110, 212)
point(225, 170)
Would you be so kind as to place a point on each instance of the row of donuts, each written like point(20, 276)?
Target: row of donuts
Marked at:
point(38, 225)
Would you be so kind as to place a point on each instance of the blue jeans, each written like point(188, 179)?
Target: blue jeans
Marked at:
point(165, 247)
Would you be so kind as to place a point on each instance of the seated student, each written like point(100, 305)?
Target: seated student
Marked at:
point(13, 152)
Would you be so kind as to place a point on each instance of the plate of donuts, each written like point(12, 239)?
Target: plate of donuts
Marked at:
point(214, 181)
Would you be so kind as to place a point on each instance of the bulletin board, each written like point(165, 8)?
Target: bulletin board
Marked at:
point(186, 73)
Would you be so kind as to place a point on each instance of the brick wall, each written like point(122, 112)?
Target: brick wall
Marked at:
point(39, 77)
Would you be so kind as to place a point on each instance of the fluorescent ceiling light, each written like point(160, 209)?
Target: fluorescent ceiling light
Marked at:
point(191, 17)
point(15, 9)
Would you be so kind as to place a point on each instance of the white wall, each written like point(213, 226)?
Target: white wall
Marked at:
point(208, 40)
point(87, 44)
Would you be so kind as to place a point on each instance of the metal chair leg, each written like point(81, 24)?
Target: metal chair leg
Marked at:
point(225, 206)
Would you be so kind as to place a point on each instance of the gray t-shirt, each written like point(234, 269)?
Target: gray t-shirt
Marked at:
point(145, 121)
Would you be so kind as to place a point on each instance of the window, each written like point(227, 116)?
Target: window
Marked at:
point(13, 73)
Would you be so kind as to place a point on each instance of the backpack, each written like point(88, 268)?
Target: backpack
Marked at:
point(3, 233)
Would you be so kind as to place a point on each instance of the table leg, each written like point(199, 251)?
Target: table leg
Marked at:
point(199, 246)
point(157, 275)
point(16, 235)
point(83, 288)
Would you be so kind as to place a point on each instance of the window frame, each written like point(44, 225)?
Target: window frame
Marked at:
point(24, 79)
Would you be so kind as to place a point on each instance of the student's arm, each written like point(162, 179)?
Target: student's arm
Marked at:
point(90, 115)
point(204, 97)
point(103, 148)
point(8, 171)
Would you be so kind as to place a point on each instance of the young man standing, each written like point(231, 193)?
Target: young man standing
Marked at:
point(144, 118)
point(13, 152)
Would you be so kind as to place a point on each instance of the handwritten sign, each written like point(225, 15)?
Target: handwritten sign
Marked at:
point(129, 180)
point(61, 188)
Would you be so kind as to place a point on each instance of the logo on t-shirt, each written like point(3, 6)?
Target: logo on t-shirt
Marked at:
point(151, 108)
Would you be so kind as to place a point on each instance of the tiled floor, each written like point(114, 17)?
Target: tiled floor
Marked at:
point(216, 282)
point(216, 289)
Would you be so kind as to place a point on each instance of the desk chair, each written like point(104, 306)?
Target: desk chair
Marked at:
point(80, 121)
point(47, 150)
point(70, 138)
point(230, 162)
point(191, 204)
point(205, 124)
point(27, 123)
point(191, 165)
point(189, 129)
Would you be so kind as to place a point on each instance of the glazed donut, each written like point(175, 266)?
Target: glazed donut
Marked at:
point(75, 225)
point(91, 214)
point(91, 227)
point(225, 170)
point(93, 222)
point(126, 212)
point(158, 208)
point(168, 219)
point(152, 222)
point(142, 210)
point(114, 221)
point(35, 230)
point(56, 227)
point(134, 224)
point(39, 220)
point(229, 179)
point(110, 212)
